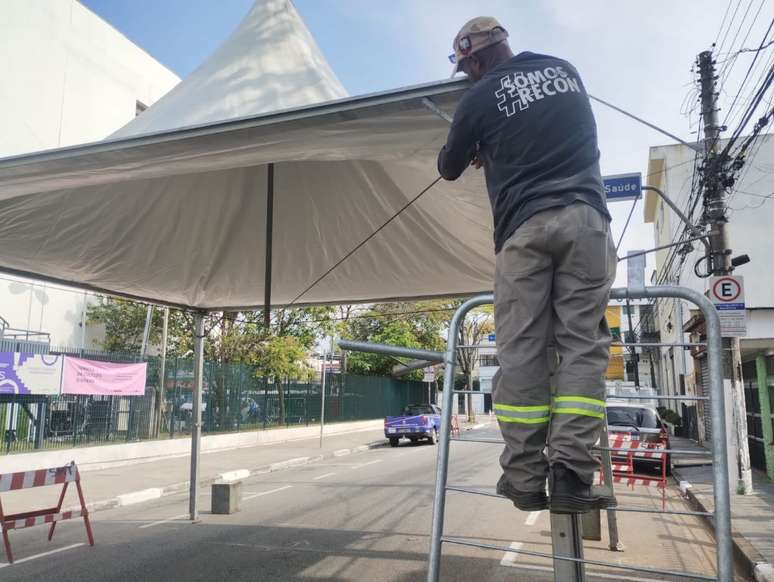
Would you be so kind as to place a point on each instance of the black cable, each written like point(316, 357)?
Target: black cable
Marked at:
point(749, 69)
point(730, 24)
point(723, 22)
point(628, 218)
point(364, 241)
point(751, 50)
point(729, 64)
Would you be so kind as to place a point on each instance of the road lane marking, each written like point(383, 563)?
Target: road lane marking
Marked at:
point(510, 557)
point(509, 561)
point(589, 573)
point(322, 476)
point(368, 463)
point(532, 518)
point(269, 492)
point(167, 520)
point(36, 556)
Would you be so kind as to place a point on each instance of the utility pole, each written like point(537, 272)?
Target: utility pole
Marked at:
point(719, 259)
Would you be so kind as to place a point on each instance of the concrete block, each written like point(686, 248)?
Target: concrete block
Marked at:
point(226, 497)
point(591, 525)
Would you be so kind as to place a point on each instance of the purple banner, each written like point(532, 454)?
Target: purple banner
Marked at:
point(27, 373)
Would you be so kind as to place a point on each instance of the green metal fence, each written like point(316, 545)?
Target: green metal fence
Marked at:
point(234, 399)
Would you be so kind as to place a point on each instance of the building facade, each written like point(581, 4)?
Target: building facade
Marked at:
point(69, 77)
point(751, 212)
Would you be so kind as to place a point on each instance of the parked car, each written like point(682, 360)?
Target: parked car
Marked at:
point(418, 421)
point(638, 423)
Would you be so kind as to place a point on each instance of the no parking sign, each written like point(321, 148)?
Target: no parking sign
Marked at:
point(727, 293)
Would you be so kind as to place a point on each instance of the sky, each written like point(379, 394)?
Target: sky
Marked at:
point(638, 55)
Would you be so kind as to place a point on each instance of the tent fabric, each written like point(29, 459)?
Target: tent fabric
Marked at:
point(270, 62)
point(178, 216)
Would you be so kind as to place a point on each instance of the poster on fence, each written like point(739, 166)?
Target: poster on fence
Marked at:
point(27, 373)
point(103, 378)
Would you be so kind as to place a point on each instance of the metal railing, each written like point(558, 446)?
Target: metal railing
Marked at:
point(567, 554)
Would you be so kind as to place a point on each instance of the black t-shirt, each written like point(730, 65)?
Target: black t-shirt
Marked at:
point(530, 122)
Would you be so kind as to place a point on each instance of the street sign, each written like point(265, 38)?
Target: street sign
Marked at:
point(429, 374)
point(623, 186)
point(727, 294)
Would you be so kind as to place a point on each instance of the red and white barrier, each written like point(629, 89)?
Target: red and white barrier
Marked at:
point(634, 449)
point(455, 426)
point(52, 515)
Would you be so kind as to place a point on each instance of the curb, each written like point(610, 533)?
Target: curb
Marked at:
point(755, 564)
point(144, 495)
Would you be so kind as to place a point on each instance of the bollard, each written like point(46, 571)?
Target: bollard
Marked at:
point(226, 497)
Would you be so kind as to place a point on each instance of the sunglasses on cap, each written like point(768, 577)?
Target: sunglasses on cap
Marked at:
point(466, 44)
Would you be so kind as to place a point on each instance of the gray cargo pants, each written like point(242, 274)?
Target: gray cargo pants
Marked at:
point(552, 284)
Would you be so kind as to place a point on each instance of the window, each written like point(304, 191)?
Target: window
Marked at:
point(488, 360)
point(417, 409)
point(139, 107)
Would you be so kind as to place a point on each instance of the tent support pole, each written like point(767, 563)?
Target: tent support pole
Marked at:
point(269, 238)
point(196, 420)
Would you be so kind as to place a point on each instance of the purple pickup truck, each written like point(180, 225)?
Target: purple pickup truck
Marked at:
point(418, 421)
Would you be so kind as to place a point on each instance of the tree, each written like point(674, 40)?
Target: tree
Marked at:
point(232, 337)
point(411, 325)
point(280, 358)
point(478, 324)
point(124, 323)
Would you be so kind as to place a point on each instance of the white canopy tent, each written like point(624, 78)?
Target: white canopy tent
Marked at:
point(172, 209)
point(245, 184)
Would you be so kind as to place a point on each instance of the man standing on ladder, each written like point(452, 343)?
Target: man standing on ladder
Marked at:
point(528, 122)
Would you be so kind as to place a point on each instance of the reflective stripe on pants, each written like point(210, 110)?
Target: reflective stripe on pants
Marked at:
point(578, 405)
point(523, 414)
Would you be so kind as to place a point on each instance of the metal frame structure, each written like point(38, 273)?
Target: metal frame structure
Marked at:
point(567, 555)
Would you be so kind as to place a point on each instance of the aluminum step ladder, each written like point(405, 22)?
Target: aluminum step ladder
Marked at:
point(566, 530)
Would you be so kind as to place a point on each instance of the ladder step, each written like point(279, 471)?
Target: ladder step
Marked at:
point(473, 491)
point(657, 512)
point(673, 573)
point(459, 489)
point(654, 397)
point(490, 441)
point(655, 451)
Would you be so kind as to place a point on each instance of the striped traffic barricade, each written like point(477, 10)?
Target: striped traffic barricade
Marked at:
point(42, 478)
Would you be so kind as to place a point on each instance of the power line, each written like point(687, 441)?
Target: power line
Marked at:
point(749, 69)
point(751, 50)
point(723, 22)
point(729, 65)
point(730, 24)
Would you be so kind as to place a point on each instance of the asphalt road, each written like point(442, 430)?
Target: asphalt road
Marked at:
point(359, 517)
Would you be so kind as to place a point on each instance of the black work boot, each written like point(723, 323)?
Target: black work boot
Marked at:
point(568, 494)
point(524, 500)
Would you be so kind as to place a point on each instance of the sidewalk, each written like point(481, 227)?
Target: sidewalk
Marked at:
point(752, 516)
point(144, 481)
